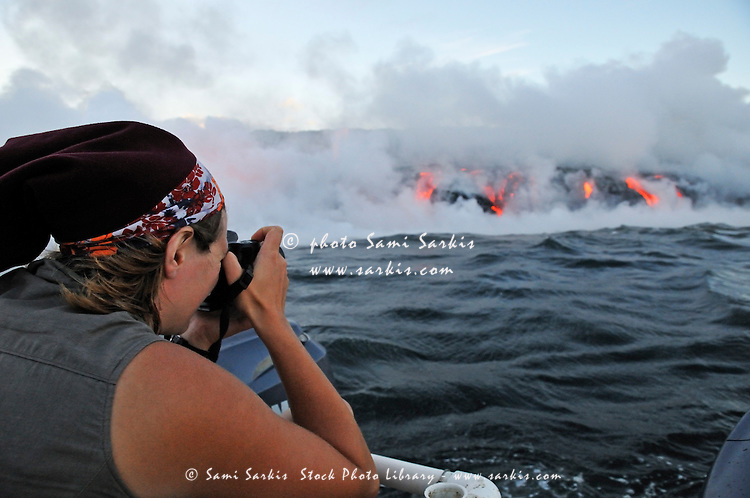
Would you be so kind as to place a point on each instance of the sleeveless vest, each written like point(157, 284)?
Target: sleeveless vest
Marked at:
point(58, 370)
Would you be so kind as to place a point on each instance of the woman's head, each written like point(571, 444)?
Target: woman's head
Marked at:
point(112, 195)
point(97, 185)
point(130, 279)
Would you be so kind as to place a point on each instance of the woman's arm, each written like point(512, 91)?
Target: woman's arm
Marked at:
point(263, 303)
point(184, 426)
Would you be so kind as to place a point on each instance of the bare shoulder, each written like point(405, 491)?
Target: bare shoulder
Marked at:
point(182, 425)
point(165, 403)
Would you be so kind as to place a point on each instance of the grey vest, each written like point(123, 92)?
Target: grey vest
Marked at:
point(58, 370)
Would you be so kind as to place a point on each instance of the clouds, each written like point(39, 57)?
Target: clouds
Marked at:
point(89, 60)
point(35, 102)
point(410, 90)
point(322, 59)
point(85, 41)
point(668, 111)
point(87, 45)
point(175, 58)
point(665, 113)
point(92, 59)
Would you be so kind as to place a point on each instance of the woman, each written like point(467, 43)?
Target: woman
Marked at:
point(93, 401)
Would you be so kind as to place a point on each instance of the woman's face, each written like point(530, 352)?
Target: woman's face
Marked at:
point(189, 279)
point(208, 265)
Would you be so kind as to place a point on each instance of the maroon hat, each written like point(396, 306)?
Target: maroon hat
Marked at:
point(83, 182)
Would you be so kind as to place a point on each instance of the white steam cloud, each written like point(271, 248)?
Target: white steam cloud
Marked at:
point(668, 114)
point(156, 51)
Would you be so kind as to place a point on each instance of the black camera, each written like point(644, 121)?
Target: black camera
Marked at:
point(246, 252)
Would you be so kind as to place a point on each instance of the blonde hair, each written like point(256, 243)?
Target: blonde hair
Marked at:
point(129, 280)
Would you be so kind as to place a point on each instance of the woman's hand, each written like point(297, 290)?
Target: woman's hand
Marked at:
point(263, 301)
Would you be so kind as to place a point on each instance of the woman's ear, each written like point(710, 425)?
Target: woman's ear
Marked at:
point(176, 252)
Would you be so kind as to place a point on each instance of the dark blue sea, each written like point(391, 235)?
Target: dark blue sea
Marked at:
point(617, 360)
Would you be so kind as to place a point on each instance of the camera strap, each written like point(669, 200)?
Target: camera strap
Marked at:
point(232, 292)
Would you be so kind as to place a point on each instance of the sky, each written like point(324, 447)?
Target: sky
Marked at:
point(630, 87)
point(319, 64)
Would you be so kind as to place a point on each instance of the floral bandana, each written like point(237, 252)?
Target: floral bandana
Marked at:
point(197, 197)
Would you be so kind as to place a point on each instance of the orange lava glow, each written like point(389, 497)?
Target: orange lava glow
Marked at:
point(425, 186)
point(634, 184)
point(506, 191)
point(494, 200)
point(588, 188)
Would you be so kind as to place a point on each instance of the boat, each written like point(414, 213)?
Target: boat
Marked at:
point(245, 356)
point(729, 476)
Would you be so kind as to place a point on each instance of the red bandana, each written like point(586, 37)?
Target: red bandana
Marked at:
point(197, 197)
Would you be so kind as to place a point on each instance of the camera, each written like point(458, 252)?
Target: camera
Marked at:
point(246, 252)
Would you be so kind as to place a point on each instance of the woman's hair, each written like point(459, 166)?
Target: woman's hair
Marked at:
point(129, 280)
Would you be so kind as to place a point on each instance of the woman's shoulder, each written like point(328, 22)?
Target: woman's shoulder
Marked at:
point(38, 324)
point(182, 425)
point(173, 411)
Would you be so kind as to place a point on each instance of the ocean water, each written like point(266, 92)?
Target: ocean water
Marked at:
point(550, 344)
point(613, 362)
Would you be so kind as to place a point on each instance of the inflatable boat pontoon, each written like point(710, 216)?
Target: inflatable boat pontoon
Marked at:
point(247, 358)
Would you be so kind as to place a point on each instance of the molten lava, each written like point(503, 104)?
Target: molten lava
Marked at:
point(506, 190)
point(634, 184)
point(588, 188)
point(498, 193)
point(494, 200)
point(425, 186)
